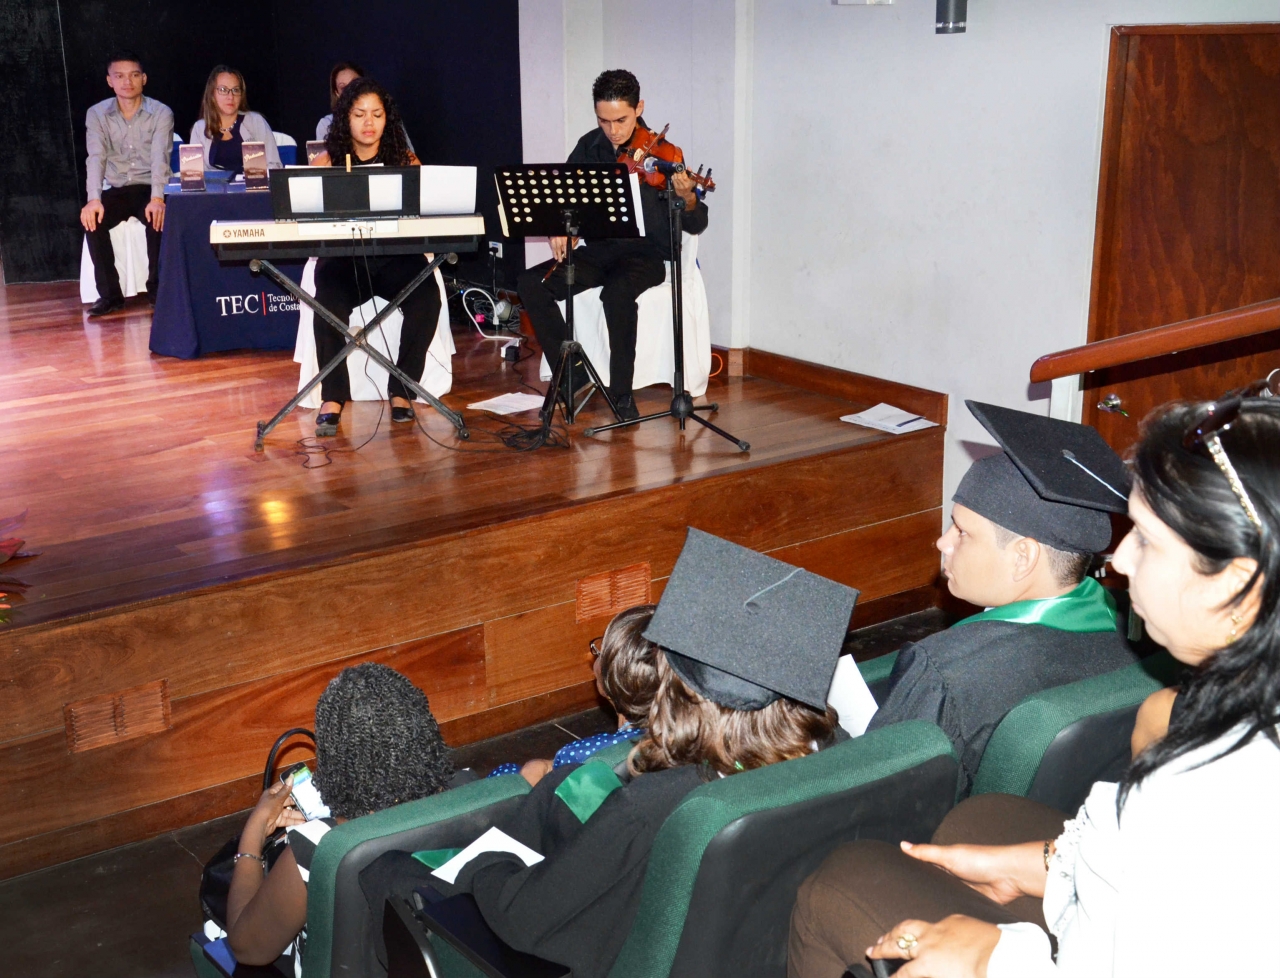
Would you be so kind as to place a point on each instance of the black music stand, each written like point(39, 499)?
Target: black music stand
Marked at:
point(682, 406)
point(589, 200)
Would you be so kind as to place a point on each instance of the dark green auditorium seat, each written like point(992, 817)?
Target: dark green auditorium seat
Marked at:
point(725, 867)
point(1054, 745)
point(340, 932)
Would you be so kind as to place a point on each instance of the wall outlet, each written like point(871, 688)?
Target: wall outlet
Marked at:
point(495, 248)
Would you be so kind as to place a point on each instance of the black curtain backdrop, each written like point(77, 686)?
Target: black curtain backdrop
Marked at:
point(454, 69)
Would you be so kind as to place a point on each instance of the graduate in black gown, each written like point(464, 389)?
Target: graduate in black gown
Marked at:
point(748, 646)
point(1027, 525)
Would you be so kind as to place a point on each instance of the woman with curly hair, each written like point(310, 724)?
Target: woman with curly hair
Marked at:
point(377, 745)
point(367, 129)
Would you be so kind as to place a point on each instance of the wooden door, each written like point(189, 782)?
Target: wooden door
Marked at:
point(1188, 208)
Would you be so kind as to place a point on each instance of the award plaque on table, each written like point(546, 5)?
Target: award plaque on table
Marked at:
point(191, 166)
point(254, 156)
point(314, 148)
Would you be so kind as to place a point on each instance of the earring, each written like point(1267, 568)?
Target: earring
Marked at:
point(1236, 619)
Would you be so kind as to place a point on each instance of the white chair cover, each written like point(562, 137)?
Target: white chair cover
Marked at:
point(368, 378)
point(655, 346)
point(129, 242)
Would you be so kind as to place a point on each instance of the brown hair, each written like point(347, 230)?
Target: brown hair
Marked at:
point(334, 72)
point(685, 728)
point(628, 663)
point(212, 114)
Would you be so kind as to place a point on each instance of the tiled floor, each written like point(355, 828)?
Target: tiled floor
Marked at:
point(127, 913)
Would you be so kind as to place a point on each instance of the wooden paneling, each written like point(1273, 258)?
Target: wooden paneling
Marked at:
point(113, 717)
point(326, 613)
point(849, 386)
point(1188, 207)
point(215, 737)
point(880, 560)
point(607, 593)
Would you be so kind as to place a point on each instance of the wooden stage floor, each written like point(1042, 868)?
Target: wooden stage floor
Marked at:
point(173, 554)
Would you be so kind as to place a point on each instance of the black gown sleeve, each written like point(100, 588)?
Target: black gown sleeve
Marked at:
point(577, 905)
point(917, 691)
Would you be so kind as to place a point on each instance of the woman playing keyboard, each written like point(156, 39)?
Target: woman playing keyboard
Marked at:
point(368, 129)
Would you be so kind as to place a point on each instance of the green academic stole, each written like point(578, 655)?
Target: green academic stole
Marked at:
point(1087, 608)
point(586, 788)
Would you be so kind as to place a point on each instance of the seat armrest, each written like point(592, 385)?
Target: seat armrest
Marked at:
point(457, 921)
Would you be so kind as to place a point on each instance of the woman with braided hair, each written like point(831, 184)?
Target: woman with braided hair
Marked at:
point(377, 745)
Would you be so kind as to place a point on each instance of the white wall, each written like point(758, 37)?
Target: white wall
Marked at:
point(908, 205)
point(923, 206)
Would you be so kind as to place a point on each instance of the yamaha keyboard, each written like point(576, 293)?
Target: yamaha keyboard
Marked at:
point(369, 237)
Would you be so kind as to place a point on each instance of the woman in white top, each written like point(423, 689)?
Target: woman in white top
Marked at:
point(1175, 870)
point(226, 123)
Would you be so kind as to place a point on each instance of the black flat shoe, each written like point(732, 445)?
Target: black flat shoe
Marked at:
point(401, 414)
point(327, 424)
point(627, 410)
point(104, 307)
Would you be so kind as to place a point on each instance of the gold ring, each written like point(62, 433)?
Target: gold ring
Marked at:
point(907, 942)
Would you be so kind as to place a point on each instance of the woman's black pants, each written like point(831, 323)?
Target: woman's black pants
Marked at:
point(343, 284)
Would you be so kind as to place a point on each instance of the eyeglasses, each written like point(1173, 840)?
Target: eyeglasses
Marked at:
point(1222, 414)
point(594, 646)
point(223, 90)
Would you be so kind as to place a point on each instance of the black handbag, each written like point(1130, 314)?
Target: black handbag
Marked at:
point(215, 880)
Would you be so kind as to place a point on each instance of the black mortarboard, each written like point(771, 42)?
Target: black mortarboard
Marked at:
point(1055, 481)
point(743, 629)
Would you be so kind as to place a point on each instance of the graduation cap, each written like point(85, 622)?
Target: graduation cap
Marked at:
point(743, 629)
point(1055, 481)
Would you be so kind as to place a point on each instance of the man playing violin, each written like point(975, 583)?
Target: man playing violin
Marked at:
point(624, 267)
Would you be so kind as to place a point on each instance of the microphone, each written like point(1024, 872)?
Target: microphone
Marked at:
point(654, 165)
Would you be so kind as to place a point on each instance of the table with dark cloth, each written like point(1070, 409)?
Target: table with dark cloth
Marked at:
point(205, 306)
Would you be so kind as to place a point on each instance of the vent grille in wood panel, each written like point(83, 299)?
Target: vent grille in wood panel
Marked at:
point(113, 717)
point(604, 595)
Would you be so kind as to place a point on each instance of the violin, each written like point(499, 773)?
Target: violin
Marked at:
point(645, 143)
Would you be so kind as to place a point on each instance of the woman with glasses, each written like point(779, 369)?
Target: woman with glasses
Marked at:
point(626, 670)
point(1174, 870)
point(226, 123)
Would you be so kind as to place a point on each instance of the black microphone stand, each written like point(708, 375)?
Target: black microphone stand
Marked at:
point(562, 387)
point(682, 407)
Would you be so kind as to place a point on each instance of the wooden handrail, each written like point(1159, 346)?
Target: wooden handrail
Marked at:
point(1218, 327)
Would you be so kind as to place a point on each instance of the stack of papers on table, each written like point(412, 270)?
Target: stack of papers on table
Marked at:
point(886, 417)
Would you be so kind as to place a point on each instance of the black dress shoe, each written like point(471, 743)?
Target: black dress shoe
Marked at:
point(104, 307)
point(327, 424)
point(626, 405)
point(401, 414)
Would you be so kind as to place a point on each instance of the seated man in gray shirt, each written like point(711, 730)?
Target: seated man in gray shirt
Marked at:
point(1026, 526)
point(129, 139)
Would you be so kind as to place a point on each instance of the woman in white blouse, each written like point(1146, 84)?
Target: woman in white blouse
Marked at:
point(226, 123)
point(1174, 871)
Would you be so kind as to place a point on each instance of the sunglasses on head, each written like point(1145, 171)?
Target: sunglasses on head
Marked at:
point(1221, 415)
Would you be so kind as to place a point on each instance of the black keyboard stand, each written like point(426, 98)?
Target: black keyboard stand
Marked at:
point(355, 340)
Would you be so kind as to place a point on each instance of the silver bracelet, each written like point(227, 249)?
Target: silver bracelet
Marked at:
point(249, 855)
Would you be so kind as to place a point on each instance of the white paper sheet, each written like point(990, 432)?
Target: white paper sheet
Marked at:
point(509, 403)
point(386, 191)
point(495, 840)
point(886, 417)
point(447, 190)
point(850, 697)
point(306, 195)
